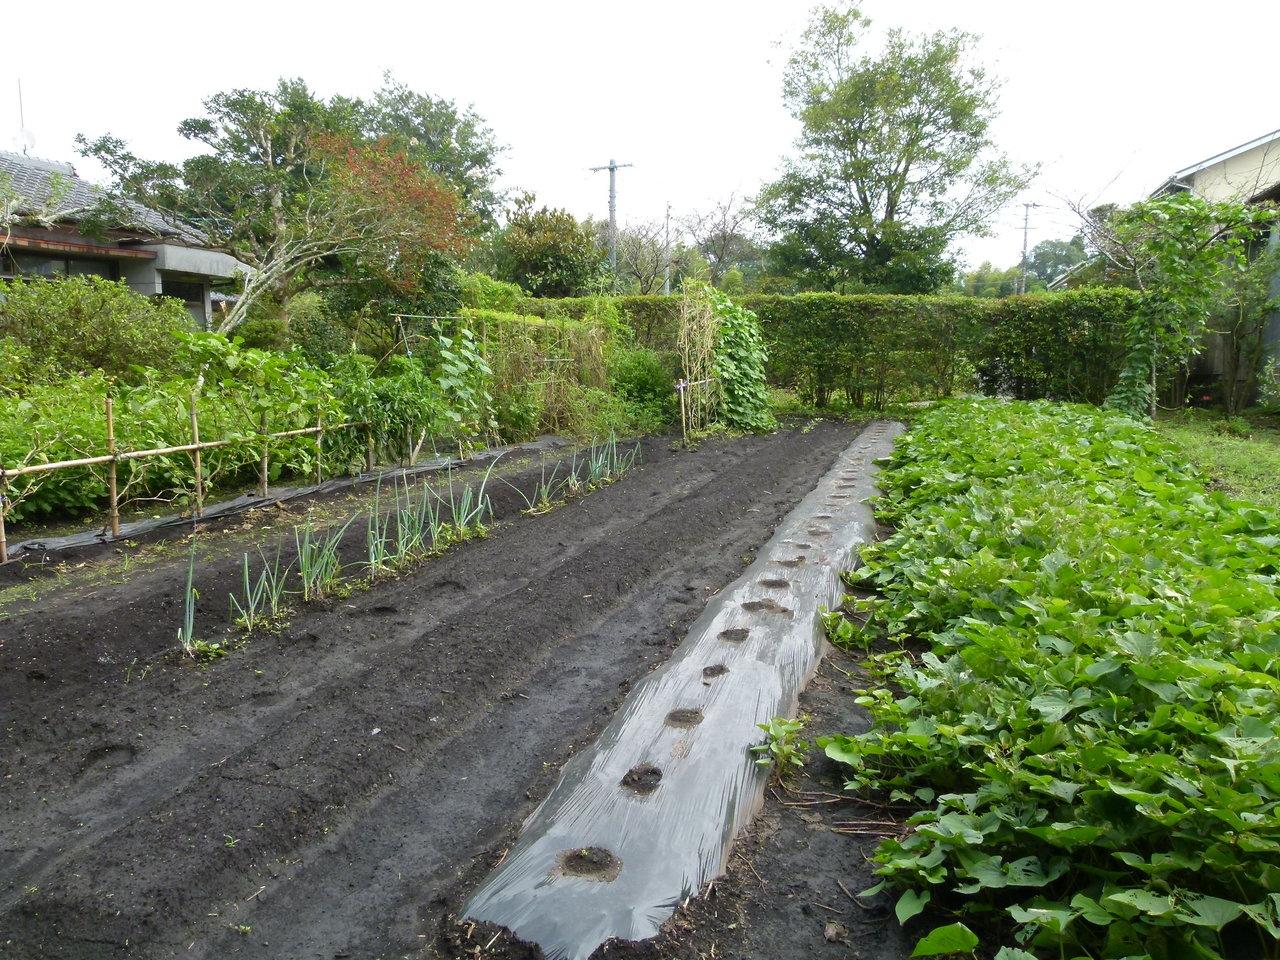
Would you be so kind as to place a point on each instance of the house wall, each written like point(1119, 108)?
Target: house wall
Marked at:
point(1241, 177)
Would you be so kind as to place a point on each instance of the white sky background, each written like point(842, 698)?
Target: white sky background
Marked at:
point(1108, 97)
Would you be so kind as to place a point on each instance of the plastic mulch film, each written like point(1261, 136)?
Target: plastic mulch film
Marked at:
point(245, 502)
point(648, 814)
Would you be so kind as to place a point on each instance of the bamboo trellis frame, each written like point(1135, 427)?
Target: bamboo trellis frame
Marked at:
point(114, 457)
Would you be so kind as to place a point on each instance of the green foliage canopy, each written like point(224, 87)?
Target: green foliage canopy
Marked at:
point(895, 158)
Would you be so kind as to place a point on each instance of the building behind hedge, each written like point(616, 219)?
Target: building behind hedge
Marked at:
point(46, 208)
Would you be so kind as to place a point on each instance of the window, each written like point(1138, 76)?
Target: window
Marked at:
point(35, 265)
point(184, 290)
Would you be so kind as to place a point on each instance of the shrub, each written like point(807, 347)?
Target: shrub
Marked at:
point(644, 380)
point(480, 291)
point(84, 323)
point(1091, 733)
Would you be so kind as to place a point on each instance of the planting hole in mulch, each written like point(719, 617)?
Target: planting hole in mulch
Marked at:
point(822, 516)
point(590, 863)
point(775, 583)
point(765, 606)
point(642, 778)
point(792, 562)
point(715, 670)
point(803, 546)
point(822, 533)
point(684, 717)
point(734, 634)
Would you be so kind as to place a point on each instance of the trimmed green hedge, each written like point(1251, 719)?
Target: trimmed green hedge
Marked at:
point(877, 347)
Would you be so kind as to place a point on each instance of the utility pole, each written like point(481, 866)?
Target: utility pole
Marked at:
point(613, 167)
point(1026, 227)
point(666, 253)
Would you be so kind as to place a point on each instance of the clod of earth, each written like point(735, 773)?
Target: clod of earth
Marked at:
point(684, 717)
point(715, 670)
point(775, 583)
point(734, 634)
point(642, 778)
point(590, 863)
point(766, 606)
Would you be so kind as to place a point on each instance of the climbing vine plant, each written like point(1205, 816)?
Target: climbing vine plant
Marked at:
point(737, 359)
point(1177, 250)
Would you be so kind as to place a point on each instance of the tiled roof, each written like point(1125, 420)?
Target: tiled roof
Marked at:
point(32, 179)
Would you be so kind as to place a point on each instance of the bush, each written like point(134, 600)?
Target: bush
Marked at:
point(1091, 733)
point(73, 325)
point(480, 291)
point(645, 381)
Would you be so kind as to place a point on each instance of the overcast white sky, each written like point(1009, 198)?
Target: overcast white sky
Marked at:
point(1108, 97)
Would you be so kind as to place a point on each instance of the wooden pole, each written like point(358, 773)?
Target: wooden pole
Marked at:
point(264, 464)
point(4, 508)
point(684, 427)
point(320, 447)
point(408, 445)
point(195, 457)
point(368, 449)
point(113, 487)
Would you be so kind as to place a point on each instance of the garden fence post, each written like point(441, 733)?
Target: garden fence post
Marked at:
point(4, 508)
point(684, 430)
point(195, 457)
point(113, 487)
point(320, 447)
point(264, 464)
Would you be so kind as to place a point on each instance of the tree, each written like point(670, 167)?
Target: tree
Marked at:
point(1240, 322)
point(1178, 250)
point(649, 256)
point(722, 235)
point(989, 281)
point(456, 145)
point(290, 182)
point(548, 252)
point(895, 157)
point(1050, 259)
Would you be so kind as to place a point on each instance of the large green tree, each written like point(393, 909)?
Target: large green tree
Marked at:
point(1050, 259)
point(305, 190)
point(895, 157)
point(548, 252)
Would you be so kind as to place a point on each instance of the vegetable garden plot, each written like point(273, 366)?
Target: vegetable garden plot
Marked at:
point(336, 786)
point(649, 815)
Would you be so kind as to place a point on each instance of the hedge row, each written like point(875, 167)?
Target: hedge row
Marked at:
point(877, 347)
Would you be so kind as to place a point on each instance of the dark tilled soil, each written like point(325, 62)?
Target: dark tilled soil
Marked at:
point(333, 790)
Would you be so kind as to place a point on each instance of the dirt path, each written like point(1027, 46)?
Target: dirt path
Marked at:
point(328, 792)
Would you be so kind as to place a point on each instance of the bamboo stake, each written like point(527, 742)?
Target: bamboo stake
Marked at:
point(408, 445)
point(264, 464)
point(4, 508)
point(368, 449)
point(113, 489)
point(195, 457)
point(320, 447)
point(684, 425)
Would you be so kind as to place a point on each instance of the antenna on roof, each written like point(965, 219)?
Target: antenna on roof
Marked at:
point(25, 140)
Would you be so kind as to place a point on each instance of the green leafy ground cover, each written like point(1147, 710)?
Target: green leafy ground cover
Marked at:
point(1090, 729)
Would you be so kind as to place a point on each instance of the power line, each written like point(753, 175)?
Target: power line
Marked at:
point(613, 167)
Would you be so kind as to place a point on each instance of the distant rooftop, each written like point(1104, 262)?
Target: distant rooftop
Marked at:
point(33, 180)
